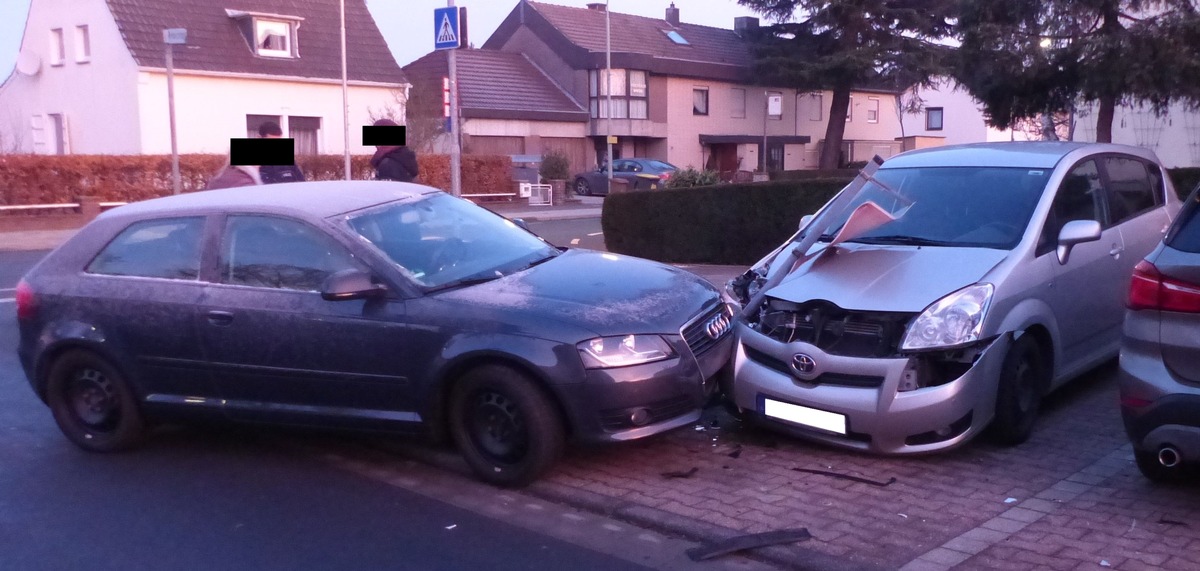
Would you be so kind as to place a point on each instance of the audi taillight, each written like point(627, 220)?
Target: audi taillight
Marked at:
point(26, 302)
point(1151, 290)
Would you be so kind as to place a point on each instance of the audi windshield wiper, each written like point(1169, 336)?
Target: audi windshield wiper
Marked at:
point(905, 240)
point(465, 282)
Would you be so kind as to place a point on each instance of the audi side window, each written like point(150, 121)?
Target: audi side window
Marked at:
point(1130, 188)
point(165, 248)
point(263, 251)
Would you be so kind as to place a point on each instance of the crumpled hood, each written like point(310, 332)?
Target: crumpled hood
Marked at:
point(886, 278)
point(606, 294)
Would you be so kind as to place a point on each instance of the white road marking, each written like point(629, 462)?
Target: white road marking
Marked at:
point(596, 234)
point(574, 241)
point(8, 299)
point(2, 289)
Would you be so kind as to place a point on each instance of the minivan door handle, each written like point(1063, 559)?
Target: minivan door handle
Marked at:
point(220, 317)
point(1116, 251)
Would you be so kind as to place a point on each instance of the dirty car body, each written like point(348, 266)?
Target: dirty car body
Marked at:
point(364, 305)
point(989, 275)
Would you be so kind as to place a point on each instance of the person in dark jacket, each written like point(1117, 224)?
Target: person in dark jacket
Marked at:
point(394, 162)
point(277, 173)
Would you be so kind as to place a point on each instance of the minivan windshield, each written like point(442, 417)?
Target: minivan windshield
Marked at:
point(987, 207)
point(440, 241)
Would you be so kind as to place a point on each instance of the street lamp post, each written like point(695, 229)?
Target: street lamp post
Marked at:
point(608, 88)
point(173, 37)
point(345, 99)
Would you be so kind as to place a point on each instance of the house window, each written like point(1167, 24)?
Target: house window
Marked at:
point(850, 110)
point(60, 140)
point(83, 44)
point(737, 106)
point(700, 101)
point(816, 111)
point(775, 105)
point(872, 109)
point(58, 47)
point(630, 94)
point(933, 119)
point(253, 122)
point(273, 38)
point(306, 131)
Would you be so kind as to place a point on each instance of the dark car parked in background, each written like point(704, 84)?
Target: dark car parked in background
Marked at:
point(1160, 353)
point(641, 174)
point(363, 305)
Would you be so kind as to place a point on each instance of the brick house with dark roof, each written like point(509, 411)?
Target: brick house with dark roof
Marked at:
point(91, 76)
point(508, 105)
point(681, 92)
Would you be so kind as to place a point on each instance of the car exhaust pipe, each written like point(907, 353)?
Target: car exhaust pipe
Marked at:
point(1168, 456)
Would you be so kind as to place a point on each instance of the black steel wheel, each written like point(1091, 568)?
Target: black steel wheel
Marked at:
point(92, 403)
point(582, 188)
point(506, 427)
point(1024, 378)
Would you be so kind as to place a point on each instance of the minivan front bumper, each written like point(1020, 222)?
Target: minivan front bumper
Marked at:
point(877, 416)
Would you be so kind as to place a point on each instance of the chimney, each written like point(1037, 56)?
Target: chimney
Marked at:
point(744, 23)
point(597, 6)
point(673, 15)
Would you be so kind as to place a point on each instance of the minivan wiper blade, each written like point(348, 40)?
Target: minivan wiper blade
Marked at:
point(905, 240)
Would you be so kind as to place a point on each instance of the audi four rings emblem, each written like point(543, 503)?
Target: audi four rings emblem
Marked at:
point(717, 326)
point(803, 363)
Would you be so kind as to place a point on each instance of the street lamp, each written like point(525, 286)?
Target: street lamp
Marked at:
point(173, 37)
point(608, 87)
point(345, 99)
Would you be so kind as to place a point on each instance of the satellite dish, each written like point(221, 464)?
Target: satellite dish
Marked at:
point(28, 63)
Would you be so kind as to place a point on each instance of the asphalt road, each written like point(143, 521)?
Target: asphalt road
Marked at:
point(216, 497)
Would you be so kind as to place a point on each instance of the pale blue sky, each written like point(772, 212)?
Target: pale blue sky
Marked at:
point(407, 25)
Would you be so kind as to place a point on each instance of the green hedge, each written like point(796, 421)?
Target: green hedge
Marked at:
point(733, 223)
point(724, 224)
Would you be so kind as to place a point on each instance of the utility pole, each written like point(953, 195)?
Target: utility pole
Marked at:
point(173, 37)
point(608, 87)
point(456, 148)
point(345, 100)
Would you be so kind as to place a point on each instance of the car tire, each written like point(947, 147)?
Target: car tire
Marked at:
point(582, 188)
point(1147, 463)
point(1023, 379)
point(92, 403)
point(507, 428)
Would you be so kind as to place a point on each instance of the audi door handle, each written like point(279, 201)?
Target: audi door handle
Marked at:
point(220, 317)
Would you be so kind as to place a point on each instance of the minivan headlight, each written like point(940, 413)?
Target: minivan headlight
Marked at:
point(623, 350)
point(954, 320)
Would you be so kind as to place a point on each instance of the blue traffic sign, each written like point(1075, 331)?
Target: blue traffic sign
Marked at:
point(446, 33)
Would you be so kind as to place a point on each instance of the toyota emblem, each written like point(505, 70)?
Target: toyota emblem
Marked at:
point(804, 363)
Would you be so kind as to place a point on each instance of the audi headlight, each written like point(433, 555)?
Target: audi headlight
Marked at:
point(624, 350)
point(954, 320)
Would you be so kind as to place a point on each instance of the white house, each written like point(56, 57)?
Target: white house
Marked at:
point(91, 75)
point(948, 114)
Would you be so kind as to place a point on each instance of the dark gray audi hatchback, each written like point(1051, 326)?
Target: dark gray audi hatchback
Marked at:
point(363, 305)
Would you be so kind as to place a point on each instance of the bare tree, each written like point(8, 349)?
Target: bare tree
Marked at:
point(12, 138)
point(419, 110)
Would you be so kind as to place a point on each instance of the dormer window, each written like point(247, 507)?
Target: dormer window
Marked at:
point(273, 38)
point(269, 35)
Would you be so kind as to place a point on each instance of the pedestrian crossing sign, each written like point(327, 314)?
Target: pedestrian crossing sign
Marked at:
point(446, 34)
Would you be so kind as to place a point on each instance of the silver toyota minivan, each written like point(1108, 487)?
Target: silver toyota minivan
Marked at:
point(946, 290)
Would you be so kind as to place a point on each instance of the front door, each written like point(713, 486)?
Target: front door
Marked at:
point(281, 352)
point(1086, 295)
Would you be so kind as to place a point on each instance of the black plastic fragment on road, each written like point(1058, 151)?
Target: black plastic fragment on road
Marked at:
point(1171, 522)
point(744, 542)
point(890, 481)
point(681, 474)
point(735, 453)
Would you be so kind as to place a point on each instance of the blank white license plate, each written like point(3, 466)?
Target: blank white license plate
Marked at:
point(831, 421)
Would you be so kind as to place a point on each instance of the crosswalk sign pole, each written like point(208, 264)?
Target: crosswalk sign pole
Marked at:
point(448, 32)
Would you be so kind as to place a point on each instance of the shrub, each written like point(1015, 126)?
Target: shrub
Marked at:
point(690, 177)
point(555, 166)
point(723, 224)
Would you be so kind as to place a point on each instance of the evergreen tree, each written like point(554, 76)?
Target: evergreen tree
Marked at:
point(1022, 58)
point(840, 45)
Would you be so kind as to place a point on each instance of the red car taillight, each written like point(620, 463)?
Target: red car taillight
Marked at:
point(26, 303)
point(1151, 290)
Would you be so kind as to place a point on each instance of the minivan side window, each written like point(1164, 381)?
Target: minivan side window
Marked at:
point(1131, 189)
point(264, 251)
point(1078, 198)
point(166, 248)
